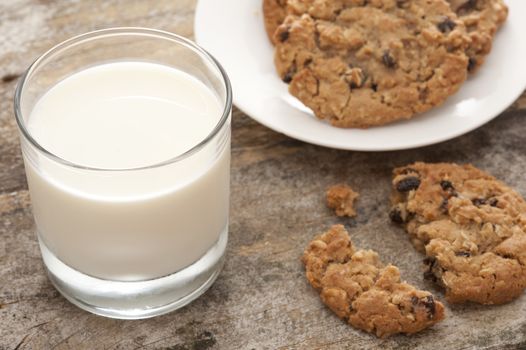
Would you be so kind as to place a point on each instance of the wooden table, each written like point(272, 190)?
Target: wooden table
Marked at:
point(261, 299)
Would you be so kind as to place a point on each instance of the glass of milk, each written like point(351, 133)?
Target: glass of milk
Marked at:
point(125, 135)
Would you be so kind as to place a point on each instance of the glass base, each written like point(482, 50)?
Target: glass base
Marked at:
point(141, 299)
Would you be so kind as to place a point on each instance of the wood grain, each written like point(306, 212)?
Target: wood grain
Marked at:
point(261, 299)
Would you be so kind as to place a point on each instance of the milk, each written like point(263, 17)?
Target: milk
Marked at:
point(126, 223)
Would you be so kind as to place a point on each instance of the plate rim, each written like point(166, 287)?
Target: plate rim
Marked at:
point(246, 109)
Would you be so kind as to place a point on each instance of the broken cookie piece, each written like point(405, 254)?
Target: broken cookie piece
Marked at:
point(341, 198)
point(358, 288)
point(471, 227)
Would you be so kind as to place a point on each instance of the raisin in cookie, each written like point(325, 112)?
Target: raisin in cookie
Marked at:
point(361, 64)
point(471, 226)
point(341, 198)
point(274, 12)
point(482, 19)
point(360, 289)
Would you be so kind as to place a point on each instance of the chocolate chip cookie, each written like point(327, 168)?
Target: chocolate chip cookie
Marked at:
point(366, 63)
point(471, 227)
point(358, 288)
point(341, 198)
point(274, 13)
point(482, 19)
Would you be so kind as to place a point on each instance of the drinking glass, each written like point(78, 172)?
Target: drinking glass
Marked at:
point(136, 242)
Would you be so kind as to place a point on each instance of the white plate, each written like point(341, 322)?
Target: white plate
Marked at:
point(233, 31)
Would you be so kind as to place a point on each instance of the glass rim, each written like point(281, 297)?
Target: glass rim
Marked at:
point(117, 31)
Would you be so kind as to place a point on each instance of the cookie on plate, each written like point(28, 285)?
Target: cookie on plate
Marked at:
point(482, 19)
point(471, 227)
point(358, 288)
point(366, 63)
point(274, 13)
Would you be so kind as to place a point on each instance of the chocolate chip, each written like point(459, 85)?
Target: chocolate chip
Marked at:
point(290, 74)
point(407, 184)
point(444, 204)
point(430, 276)
point(472, 62)
point(482, 201)
point(463, 253)
point(307, 62)
point(283, 36)
point(431, 264)
point(287, 78)
point(396, 216)
point(446, 185)
point(478, 201)
point(446, 25)
point(388, 60)
point(429, 304)
point(467, 6)
point(429, 260)
point(374, 86)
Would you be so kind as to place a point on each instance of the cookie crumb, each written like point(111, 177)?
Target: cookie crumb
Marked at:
point(341, 198)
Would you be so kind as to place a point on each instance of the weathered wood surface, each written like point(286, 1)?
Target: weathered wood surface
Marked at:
point(261, 299)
